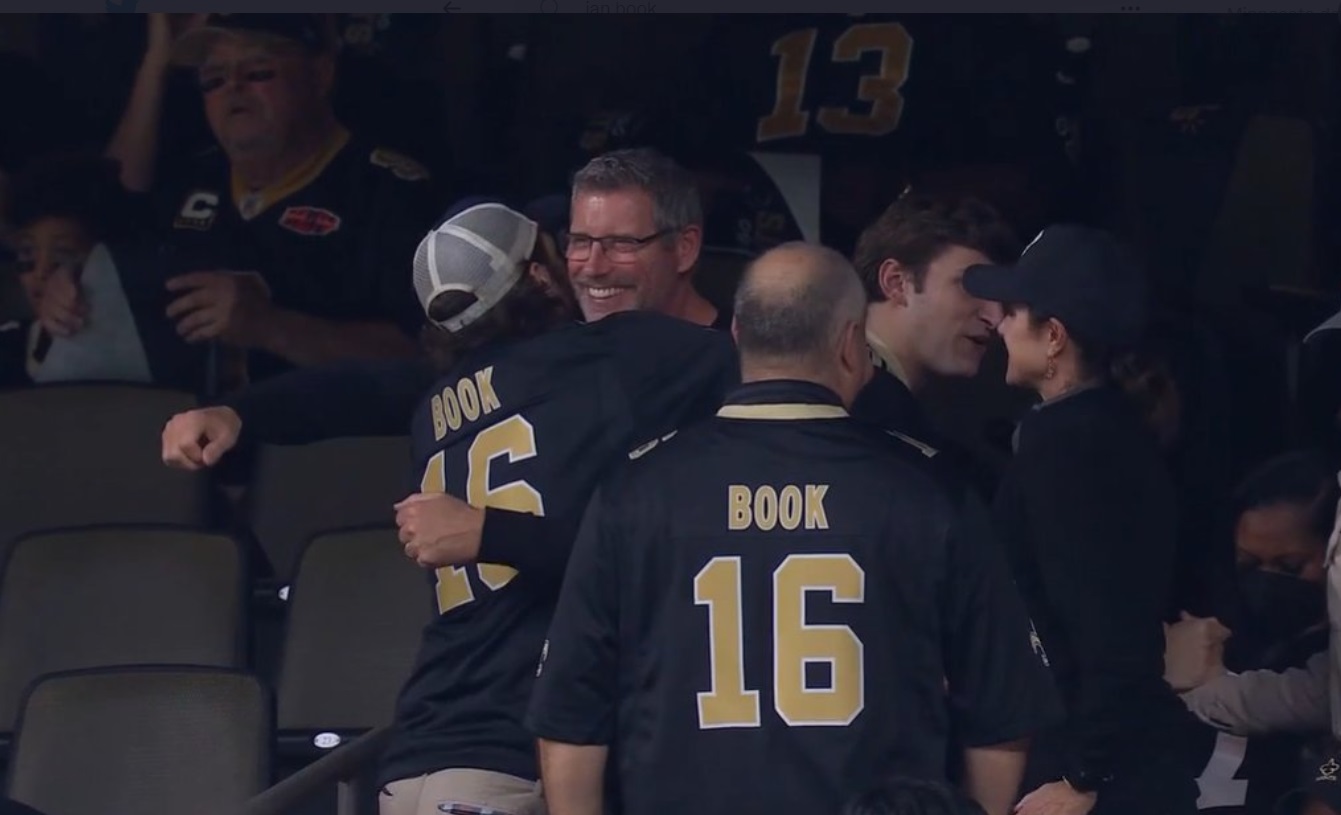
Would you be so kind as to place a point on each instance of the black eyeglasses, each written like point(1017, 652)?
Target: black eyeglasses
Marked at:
point(616, 247)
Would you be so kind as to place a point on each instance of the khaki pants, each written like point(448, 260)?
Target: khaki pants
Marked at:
point(479, 792)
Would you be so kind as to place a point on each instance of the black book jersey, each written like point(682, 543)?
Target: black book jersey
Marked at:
point(531, 426)
point(779, 587)
point(335, 240)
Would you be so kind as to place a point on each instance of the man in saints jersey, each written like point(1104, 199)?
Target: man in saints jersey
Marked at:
point(523, 410)
point(777, 608)
point(285, 241)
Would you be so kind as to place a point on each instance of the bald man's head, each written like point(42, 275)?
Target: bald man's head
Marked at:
point(798, 308)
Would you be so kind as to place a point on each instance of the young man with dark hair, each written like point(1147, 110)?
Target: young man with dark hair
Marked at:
point(920, 322)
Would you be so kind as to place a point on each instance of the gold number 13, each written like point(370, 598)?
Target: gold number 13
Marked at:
point(514, 438)
point(795, 644)
point(880, 90)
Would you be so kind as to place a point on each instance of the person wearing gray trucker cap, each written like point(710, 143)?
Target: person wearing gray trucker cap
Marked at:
point(522, 408)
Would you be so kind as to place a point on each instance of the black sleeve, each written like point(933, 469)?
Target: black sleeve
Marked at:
point(999, 684)
point(574, 698)
point(536, 544)
point(1093, 553)
point(354, 398)
point(672, 373)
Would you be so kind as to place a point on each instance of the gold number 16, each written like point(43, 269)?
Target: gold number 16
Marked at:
point(515, 438)
point(796, 644)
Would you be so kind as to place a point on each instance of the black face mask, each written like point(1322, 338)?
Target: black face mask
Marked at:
point(1281, 606)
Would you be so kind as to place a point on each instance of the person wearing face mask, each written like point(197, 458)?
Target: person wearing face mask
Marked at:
point(1284, 515)
point(1253, 725)
point(1088, 514)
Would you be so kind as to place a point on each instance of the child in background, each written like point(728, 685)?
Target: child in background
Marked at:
point(60, 207)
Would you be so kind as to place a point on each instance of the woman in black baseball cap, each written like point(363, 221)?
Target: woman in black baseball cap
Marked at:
point(1088, 512)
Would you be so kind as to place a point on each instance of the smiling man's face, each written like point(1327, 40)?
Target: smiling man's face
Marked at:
point(644, 274)
point(950, 329)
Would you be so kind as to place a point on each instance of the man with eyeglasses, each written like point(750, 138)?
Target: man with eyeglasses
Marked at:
point(635, 234)
point(634, 238)
point(289, 240)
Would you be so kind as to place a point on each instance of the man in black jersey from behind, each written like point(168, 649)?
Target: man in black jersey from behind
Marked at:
point(524, 413)
point(775, 609)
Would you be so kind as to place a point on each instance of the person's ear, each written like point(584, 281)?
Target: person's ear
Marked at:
point(688, 246)
point(896, 281)
point(854, 356)
point(539, 273)
point(735, 331)
point(1057, 337)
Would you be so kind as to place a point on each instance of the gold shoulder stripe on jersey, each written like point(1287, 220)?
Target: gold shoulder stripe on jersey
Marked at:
point(401, 166)
point(926, 449)
point(251, 203)
point(782, 412)
point(647, 448)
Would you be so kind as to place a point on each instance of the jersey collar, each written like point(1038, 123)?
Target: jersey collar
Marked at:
point(782, 400)
point(251, 203)
point(883, 358)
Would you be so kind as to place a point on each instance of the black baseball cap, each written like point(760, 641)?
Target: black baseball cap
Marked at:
point(1082, 276)
point(307, 30)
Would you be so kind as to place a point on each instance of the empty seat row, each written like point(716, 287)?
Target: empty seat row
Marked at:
point(83, 454)
point(152, 740)
point(129, 595)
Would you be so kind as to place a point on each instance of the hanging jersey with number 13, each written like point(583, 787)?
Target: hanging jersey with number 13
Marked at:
point(951, 87)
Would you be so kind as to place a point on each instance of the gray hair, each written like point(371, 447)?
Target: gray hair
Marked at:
point(675, 198)
point(798, 314)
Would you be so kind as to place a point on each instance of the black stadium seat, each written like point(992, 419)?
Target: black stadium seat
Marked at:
point(356, 612)
point(93, 597)
point(90, 454)
point(150, 741)
point(302, 490)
